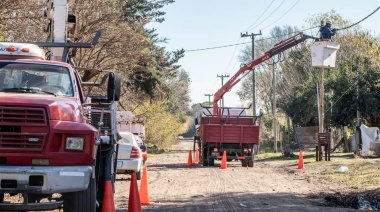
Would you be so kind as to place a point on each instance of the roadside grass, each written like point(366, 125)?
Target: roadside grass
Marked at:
point(154, 150)
point(361, 171)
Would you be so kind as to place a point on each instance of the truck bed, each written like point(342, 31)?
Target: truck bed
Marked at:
point(229, 130)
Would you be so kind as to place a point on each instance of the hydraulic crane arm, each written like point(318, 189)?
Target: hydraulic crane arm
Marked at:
point(277, 49)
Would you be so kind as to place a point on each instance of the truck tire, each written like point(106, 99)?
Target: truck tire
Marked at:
point(211, 162)
point(139, 174)
point(244, 163)
point(205, 161)
point(81, 200)
point(250, 163)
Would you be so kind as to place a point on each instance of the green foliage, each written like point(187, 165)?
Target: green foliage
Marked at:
point(357, 64)
point(161, 127)
point(145, 10)
point(357, 85)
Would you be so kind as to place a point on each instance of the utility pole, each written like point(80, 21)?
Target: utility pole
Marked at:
point(222, 76)
point(274, 107)
point(252, 35)
point(209, 100)
point(321, 94)
point(358, 122)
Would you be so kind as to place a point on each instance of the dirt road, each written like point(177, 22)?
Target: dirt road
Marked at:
point(174, 186)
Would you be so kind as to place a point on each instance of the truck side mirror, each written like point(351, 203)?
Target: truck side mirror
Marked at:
point(196, 121)
point(113, 88)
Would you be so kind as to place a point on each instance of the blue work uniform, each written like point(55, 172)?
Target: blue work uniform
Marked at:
point(327, 32)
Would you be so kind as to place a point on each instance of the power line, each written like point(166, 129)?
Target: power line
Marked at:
point(268, 38)
point(282, 15)
point(360, 20)
point(217, 47)
point(269, 15)
point(260, 16)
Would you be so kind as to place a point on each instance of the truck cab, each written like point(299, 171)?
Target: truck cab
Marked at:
point(47, 143)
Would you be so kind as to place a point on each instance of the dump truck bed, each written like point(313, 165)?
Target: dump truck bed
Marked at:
point(229, 130)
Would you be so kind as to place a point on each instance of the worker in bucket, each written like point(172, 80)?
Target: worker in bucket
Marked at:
point(327, 32)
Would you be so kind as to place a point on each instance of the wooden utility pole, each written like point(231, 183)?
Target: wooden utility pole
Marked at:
point(252, 35)
point(222, 76)
point(321, 94)
point(209, 99)
point(274, 108)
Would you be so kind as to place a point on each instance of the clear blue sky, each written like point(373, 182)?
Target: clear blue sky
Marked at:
point(197, 24)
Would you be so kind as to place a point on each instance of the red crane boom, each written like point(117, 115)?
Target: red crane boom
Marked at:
point(278, 48)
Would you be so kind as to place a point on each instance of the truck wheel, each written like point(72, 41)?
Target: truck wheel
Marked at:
point(244, 163)
point(139, 174)
point(81, 200)
point(211, 162)
point(205, 161)
point(250, 163)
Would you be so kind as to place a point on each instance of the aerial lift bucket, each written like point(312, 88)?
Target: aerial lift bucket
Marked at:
point(323, 54)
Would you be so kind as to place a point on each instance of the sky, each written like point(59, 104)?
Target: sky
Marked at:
point(199, 24)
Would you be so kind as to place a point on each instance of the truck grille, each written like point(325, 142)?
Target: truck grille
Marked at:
point(26, 141)
point(22, 115)
point(22, 129)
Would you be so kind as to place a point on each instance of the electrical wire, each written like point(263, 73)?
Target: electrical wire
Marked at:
point(360, 20)
point(217, 47)
point(260, 16)
point(268, 38)
point(229, 63)
point(269, 15)
point(282, 15)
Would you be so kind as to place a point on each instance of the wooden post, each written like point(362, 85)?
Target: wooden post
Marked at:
point(321, 111)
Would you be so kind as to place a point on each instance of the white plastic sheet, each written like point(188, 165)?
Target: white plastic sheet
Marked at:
point(369, 134)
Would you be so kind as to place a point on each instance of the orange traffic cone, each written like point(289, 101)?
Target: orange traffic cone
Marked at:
point(300, 160)
point(224, 161)
point(144, 191)
point(196, 159)
point(190, 159)
point(134, 204)
point(108, 202)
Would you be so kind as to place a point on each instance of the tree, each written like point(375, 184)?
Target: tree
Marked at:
point(358, 53)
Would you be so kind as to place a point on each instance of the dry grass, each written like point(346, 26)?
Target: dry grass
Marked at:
point(361, 172)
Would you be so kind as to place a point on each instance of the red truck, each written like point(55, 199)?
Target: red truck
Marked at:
point(57, 139)
point(227, 129)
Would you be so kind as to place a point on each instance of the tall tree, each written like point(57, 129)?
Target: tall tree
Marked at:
point(357, 64)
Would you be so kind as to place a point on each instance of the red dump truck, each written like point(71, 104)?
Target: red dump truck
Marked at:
point(227, 129)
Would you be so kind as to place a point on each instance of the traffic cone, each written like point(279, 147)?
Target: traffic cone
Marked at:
point(300, 160)
point(108, 202)
point(144, 191)
point(190, 159)
point(196, 159)
point(224, 161)
point(134, 204)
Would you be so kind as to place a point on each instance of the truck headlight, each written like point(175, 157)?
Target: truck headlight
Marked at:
point(74, 143)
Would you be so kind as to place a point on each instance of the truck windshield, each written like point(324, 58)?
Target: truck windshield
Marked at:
point(35, 78)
